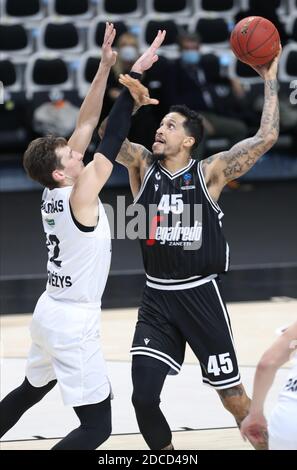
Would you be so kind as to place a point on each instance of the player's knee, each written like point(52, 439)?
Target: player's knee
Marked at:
point(95, 421)
point(100, 426)
point(144, 402)
point(35, 394)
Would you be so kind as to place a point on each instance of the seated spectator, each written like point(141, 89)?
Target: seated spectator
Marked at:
point(128, 50)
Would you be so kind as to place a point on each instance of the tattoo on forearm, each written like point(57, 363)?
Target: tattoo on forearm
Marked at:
point(126, 154)
point(132, 153)
point(272, 85)
point(231, 392)
point(275, 119)
point(239, 160)
point(146, 155)
point(242, 156)
point(270, 115)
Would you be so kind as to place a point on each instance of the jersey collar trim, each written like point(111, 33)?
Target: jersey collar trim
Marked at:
point(177, 173)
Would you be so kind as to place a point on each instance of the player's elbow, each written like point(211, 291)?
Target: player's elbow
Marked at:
point(103, 165)
point(268, 362)
point(268, 140)
point(272, 138)
point(86, 128)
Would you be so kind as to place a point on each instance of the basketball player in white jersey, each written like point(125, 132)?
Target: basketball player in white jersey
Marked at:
point(282, 424)
point(65, 327)
point(182, 301)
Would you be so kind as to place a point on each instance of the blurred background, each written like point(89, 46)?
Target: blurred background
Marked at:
point(49, 54)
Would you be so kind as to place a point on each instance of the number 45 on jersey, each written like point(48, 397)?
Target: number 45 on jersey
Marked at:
point(171, 203)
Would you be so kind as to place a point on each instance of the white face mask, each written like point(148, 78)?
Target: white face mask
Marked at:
point(128, 53)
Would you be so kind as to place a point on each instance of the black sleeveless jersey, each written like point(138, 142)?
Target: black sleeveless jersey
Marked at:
point(183, 240)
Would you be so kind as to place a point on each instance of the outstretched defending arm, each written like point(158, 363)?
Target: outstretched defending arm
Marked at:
point(91, 107)
point(278, 354)
point(134, 156)
point(225, 166)
point(85, 191)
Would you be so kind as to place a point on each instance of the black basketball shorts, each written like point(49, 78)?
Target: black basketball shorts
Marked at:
point(168, 319)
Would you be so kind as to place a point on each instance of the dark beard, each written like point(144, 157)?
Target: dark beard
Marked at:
point(158, 157)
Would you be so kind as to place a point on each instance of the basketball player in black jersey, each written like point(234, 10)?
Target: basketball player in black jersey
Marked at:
point(182, 300)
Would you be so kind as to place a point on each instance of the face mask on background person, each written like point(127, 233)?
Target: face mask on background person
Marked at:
point(128, 53)
point(190, 56)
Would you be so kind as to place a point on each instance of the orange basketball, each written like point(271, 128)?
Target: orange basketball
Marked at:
point(255, 40)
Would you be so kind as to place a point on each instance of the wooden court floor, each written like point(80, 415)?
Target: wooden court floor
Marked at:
point(254, 326)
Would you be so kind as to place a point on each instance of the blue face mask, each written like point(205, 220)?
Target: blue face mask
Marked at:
point(190, 56)
point(128, 53)
point(225, 60)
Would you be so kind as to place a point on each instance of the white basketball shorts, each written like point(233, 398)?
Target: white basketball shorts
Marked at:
point(66, 346)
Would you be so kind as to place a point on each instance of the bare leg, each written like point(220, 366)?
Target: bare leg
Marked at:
point(170, 447)
point(236, 401)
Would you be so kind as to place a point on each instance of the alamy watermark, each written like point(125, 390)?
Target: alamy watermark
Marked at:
point(176, 224)
point(293, 95)
point(180, 225)
point(1, 93)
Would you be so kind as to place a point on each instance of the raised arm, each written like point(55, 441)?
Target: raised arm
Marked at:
point(278, 354)
point(225, 166)
point(131, 154)
point(84, 195)
point(92, 105)
point(134, 156)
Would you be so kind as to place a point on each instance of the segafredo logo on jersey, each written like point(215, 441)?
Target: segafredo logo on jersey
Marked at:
point(171, 221)
point(176, 223)
point(176, 235)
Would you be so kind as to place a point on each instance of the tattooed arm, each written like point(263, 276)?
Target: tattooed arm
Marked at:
point(135, 157)
point(225, 166)
point(91, 107)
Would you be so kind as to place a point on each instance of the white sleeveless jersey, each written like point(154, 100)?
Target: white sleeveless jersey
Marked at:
point(78, 262)
point(289, 391)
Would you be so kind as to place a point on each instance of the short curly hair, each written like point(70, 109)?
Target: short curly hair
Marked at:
point(40, 159)
point(193, 124)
